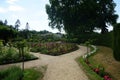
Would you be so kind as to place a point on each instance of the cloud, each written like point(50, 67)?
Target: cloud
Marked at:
point(2, 10)
point(15, 8)
point(11, 1)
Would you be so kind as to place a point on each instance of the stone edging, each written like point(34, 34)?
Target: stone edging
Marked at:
point(90, 53)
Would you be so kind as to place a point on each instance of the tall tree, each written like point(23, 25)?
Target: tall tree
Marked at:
point(5, 22)
point(81, 15)
point(1, 22)
point(17, 24)
point(7, 33)
point(106, 14)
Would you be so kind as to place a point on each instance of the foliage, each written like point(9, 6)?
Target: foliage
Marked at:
point(81, 16)
point(17, 24)
point(103, 39)
point(7, 32)
point(1, 46)
point(14, 73)
point(96, 67)
point(11, 55)
point(90, 73)
point(53, 48)
point(32, 74)
point(116, 42)
point(94, 70)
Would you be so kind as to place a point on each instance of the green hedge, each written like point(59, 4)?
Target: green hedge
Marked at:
point(116, 49)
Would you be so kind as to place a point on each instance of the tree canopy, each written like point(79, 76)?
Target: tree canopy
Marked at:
point(17, 24)
point(76, 16)
point(7, 32)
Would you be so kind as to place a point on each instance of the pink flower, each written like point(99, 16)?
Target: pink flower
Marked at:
point(97, 70)
point(106, 77)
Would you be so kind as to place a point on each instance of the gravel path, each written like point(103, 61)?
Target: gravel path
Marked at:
point(66, 68)
point(62, 67)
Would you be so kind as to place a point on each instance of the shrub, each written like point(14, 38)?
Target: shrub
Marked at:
point(11, 55)
point(12, 73)
point(15, 73)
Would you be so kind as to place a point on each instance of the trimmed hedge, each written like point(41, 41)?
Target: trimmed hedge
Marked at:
point(116, 48)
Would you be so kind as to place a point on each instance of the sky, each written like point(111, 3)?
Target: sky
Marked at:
point(31, 11)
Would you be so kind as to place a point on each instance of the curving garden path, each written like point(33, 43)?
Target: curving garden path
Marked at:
point(62, 67)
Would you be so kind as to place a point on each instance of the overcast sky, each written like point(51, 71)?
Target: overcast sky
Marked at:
point(31, 11)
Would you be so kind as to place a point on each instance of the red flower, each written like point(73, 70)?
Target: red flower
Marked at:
point(109, 79)
point(97, 70)
point(106, 77)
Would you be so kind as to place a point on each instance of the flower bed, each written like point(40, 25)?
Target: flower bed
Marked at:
point(11, 55)
point(97, 69)
point(53, 48)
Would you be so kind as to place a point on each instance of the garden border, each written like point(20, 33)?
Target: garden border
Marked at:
point(97, 70)
point(91, 52)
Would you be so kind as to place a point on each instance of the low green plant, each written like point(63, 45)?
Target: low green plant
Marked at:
point(11, 55)
point(32, 74)
point(14, 73)
point(89, 70)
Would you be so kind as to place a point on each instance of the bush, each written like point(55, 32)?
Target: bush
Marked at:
point(11, 55)
point(12, 73)
point(104, 39)
point(15, 73)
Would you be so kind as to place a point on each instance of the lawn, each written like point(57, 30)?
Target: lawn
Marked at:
point(104, 57)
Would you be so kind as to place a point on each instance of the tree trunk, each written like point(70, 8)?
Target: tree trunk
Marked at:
point(104, 29)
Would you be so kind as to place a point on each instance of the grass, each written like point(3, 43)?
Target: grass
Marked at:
point(32, 74)
point(14, 73)
point(89, 72)
point(104, 57)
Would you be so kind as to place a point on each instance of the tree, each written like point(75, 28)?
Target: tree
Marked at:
point(5, 22)
point(81, 16)
point(17, 24)
point(7, 33)
point(1, 22)
point(116, 48)
point(21, 46)
point(106, 14)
